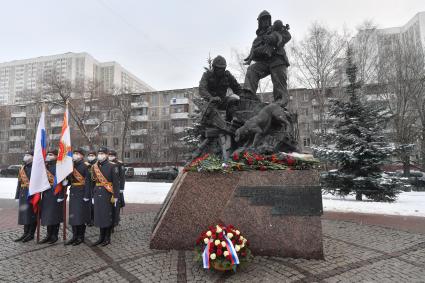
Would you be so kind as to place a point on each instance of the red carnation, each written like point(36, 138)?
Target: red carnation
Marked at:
point(235, 156)
point(263, 168)
point(290, 160)
point(219, 252)
point(220, 236)
point(233, 242)
point(229, 258)
point(249, 160)
point(211, 248)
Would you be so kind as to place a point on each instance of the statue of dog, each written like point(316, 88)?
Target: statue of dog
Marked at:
point(260, 124)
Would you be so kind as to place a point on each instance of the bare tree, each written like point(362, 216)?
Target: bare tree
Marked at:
point(83, 97)
point(365, 46)
point(122, 103)
point(401, 76)
point(315, 60)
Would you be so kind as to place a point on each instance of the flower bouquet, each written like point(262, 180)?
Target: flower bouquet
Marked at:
point(244, 160)
point(222, 248)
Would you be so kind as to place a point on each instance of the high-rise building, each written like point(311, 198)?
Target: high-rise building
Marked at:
point(20, 78)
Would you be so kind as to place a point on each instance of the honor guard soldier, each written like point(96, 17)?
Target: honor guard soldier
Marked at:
point(91, 159)
point(26, 215)
point(105, 195)
point(121, 172)
point(79, 198)
point(52, 201)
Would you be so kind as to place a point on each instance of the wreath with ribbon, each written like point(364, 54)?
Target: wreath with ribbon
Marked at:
point(222, 248)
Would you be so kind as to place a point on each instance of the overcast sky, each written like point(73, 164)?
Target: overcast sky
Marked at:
point(166, 43)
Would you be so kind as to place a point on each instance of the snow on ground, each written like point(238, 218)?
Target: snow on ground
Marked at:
point(407, 204)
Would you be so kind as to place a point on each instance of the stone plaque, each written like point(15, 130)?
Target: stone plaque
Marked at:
point(285, 200)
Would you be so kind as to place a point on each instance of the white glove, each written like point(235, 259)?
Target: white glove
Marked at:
point(59, 200)
point(115, 203)
point(86, 199)
point(65, 182)
point(121, 191)
point(92, 201)
point(17, 200)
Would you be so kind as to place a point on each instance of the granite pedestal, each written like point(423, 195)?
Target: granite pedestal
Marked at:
point(277, 211)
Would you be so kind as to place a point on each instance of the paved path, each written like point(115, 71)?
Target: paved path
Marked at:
point(354, 252)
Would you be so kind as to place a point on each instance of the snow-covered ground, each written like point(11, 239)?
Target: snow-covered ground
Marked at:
point(408, 203)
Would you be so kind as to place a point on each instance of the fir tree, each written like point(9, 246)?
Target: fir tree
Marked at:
point(358, 146)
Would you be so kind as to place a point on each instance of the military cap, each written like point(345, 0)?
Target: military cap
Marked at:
point(53, 151)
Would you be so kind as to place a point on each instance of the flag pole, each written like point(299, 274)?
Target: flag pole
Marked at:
point(38, 222)
point(41, 196)
point(65, 193)
point(64, 214)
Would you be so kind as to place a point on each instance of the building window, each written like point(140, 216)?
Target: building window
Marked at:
point(116, 141)
point(126, 154)
point(306, 141)
point(105, 142)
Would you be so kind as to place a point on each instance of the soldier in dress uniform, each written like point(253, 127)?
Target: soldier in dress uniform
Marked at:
point(26, 215)
point(79, 198)
point(52, 201)
point(121, 172)
point(105, 195)
point(91, 159)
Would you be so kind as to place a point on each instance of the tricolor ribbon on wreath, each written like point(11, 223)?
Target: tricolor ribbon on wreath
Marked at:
point(229, 246)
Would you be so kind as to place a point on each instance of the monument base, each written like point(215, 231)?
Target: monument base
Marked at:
point(277, 211)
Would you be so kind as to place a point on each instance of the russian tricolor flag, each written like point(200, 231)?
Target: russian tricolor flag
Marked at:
point(39, 181)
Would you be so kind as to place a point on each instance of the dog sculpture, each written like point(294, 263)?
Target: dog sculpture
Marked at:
point(260, 124)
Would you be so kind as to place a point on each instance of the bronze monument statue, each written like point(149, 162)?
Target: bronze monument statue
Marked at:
point(232, 124)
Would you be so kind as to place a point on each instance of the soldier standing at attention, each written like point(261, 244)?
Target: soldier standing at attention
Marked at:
point(26, 215)
point(105, 195)
point(79, 198)
point(91, 158)
point(52, 201)
point(121, 172)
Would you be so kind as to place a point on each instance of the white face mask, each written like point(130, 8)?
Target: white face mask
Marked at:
point(101, 156)
point(50, 157)
point(111, 158)
point(91, 158)
point(27, 158)
point(76, 157)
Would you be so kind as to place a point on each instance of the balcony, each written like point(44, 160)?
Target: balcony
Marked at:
point(18, 127)
point(141, 104)
point(139, 132)
point(54, 136)
point(92, 122)
point(56, 111)
point(16, 150)
point(182, 115)
point(56, 124)
point(18, 115)
point(137, 146)
point(177, 101)
point(177, 130)
point(17, 138)
point(139, 118)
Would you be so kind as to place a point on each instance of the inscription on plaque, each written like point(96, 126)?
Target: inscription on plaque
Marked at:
point(285, 200)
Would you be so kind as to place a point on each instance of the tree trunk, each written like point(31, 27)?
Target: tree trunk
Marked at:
point(406, 165)
point(359, 196)
point(422, 157)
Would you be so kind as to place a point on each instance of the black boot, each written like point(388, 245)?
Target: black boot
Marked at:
point(80, 236)
point(48, 236)
point(55, 233)
point(101, 237)
point(74, 236)
point(31, 233)
point(25, 234)
point(107, 237)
